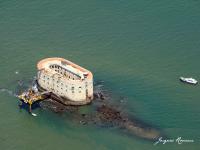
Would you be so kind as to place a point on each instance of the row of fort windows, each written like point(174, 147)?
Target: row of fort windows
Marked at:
point(66, 87)
point(64, 72)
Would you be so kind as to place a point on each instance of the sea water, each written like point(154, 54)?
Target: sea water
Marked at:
point(138, 48)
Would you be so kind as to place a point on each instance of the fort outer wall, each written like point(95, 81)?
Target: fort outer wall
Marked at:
point(70, 90)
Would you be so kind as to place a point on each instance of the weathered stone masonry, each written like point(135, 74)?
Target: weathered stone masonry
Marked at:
point(66, 79)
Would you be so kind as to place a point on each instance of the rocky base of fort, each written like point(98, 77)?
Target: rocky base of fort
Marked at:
point(105, 112)
point(105, 115)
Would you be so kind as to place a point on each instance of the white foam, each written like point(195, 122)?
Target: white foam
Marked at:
point(33, 114)
point(8, 91)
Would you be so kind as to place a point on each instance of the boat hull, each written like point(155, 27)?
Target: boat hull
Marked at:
point(185, 81)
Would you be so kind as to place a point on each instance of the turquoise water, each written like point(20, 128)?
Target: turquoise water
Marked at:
point(138, 48)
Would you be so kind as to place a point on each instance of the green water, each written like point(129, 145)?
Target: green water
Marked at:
point(138, 48)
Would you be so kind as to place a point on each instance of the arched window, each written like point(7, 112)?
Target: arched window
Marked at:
point(72, 89)
point(79, 89)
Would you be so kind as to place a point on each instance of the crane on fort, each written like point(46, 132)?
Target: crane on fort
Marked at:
point(32, 95)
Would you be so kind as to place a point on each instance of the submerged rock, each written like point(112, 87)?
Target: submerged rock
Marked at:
point(104, 115)
point(56, 106)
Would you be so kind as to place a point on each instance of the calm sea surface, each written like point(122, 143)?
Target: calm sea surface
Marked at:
point(139, 49)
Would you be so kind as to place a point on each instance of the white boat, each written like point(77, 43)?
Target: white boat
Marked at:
point(189, 80)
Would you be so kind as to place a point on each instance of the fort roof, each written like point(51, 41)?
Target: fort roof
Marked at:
point(70, 66)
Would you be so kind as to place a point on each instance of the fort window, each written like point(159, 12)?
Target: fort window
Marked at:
point(72, 89)
point(79, 89)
